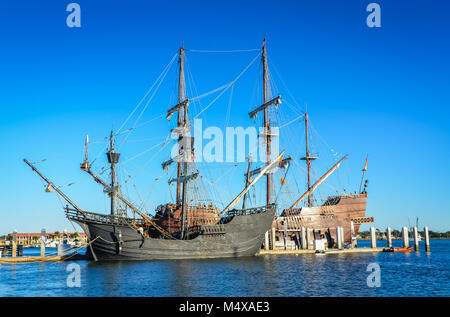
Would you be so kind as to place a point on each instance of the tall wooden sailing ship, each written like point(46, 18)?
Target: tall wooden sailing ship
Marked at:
point(179, 229)
point(182, 229)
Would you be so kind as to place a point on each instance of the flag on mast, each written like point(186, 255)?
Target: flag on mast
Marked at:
point(280, 159)
point(365, 165)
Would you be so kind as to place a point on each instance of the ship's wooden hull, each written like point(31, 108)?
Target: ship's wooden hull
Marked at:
point(339, 211)
point(241, 236)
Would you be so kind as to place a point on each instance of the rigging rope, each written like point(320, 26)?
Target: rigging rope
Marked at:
point(142, 153)
point(149, 100)
point(286, 124)
point(140, 125)
point(163, 146)
point(211, 92)
point(145, 96)
point(228, 86)
point(224, 51)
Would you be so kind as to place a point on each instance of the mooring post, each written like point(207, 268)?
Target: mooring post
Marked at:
point(416, 240)
point(427, 239)
point(266, 240)
point(338, 238)
point(285, 234)
point(389, 237)
point(353, 241)
point(43, 236)
point(60, 248)
point(373, 238)
point(66, 245)
point(405, 237)
point(341, 232)
point(309, 239)
point(304, 243)
point(273, 238)
point(14, 244)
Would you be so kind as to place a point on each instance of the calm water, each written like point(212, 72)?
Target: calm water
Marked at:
point(414, 274)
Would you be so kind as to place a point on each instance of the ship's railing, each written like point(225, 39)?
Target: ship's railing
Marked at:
point(361, 220)
point(292, 212)
point(348, 196)
point(94, 217)
point(215, 229)
point(248, 211)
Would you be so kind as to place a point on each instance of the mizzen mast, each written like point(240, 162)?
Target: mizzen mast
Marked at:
point(308, 158)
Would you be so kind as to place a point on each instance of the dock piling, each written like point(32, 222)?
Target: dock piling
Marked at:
point(405, 237)
point(14, 244)
point(427, 239)
point(309, 238)
point(389, 237)
point(304, 243)
point(354, 241)
point(43, 236)
point(273, 239)
point(266, 240)
point(373, 238)
point(285, 234)
point(416, 240)
point(338, 238)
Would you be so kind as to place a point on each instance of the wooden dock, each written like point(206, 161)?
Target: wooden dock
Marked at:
point(31, 259)
point(306, 244)
point(308, 251)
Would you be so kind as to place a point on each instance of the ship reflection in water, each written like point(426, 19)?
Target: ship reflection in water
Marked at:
point(414, 274)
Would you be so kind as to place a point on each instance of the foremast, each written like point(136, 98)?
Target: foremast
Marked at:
point(113, 159)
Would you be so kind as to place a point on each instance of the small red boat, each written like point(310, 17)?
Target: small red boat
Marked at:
point(399, 250)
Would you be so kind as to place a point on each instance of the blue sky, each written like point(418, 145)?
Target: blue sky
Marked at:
point(377, 91)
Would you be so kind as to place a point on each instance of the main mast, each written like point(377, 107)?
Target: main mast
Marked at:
point(181, 119)
point(266, 123)
point(184, 150)
point(185, 144)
